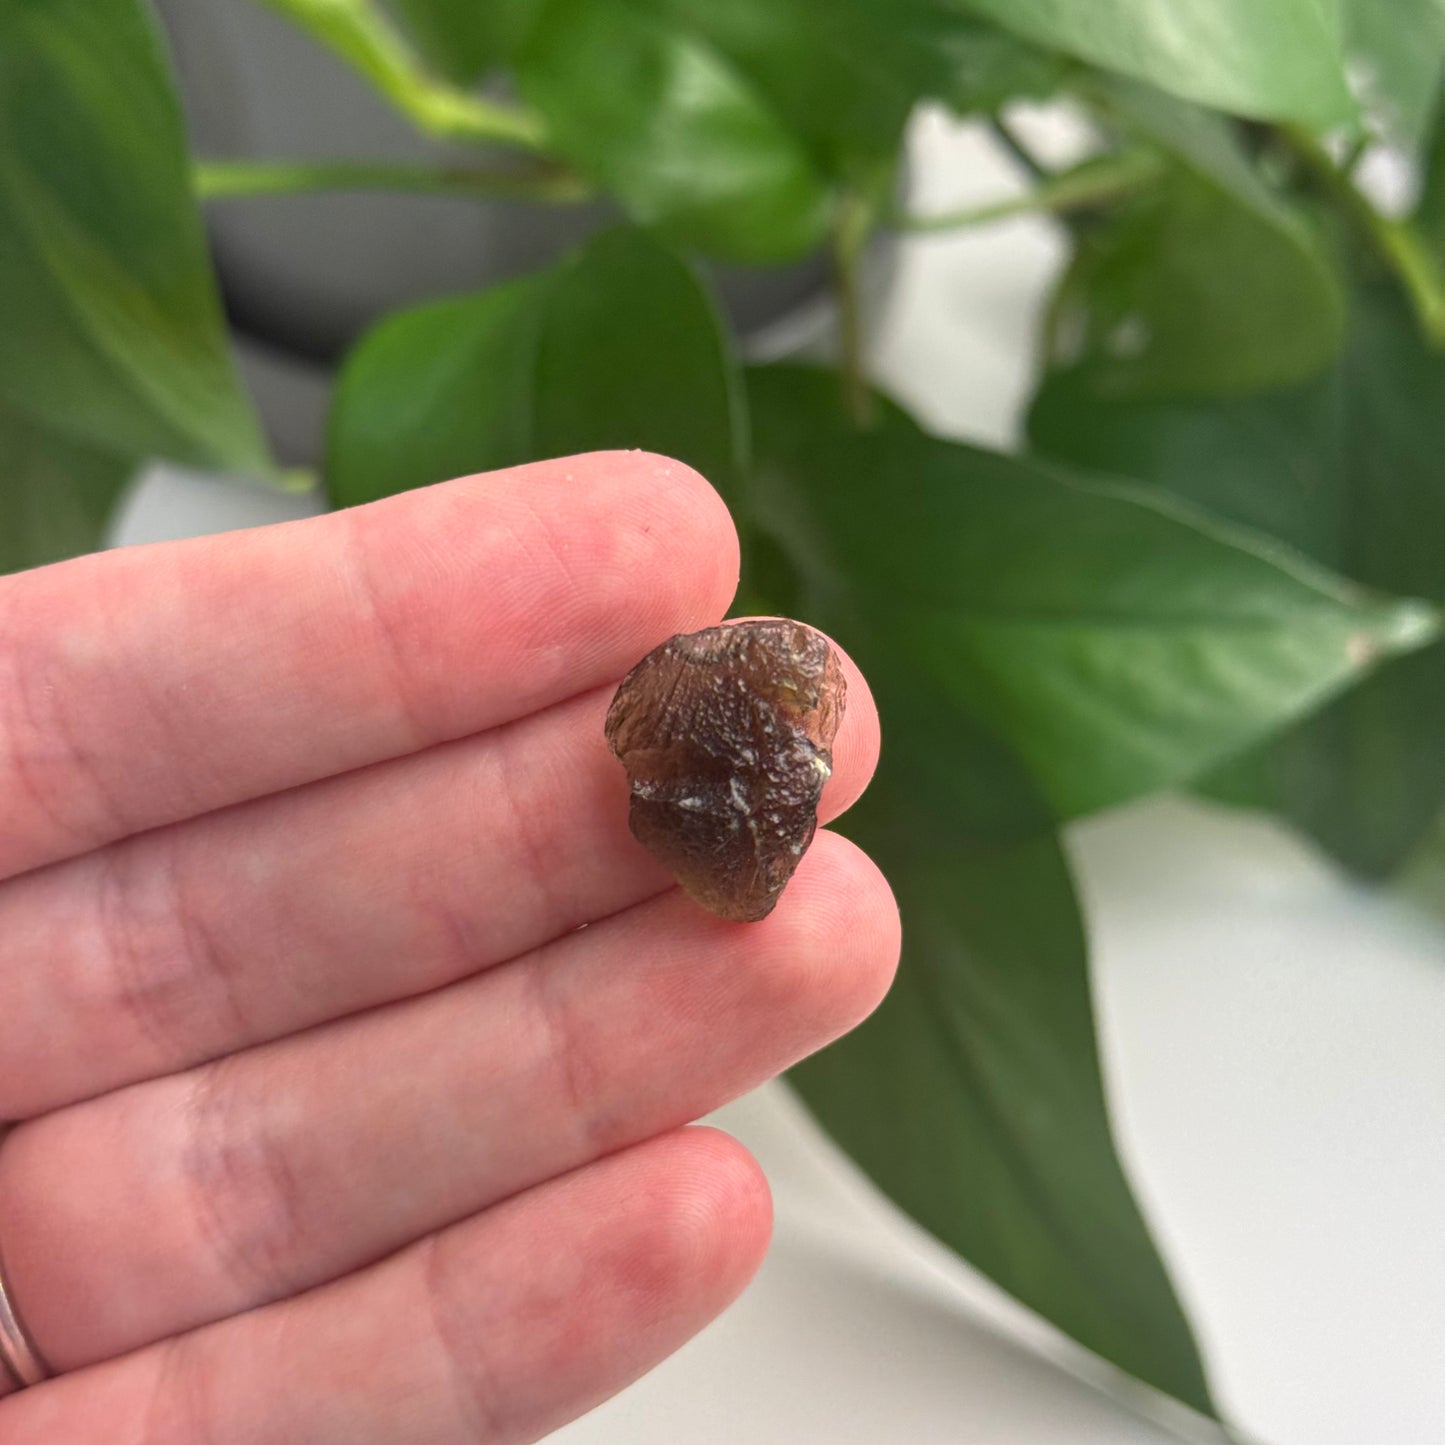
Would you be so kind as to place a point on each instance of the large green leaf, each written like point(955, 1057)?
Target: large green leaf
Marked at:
point(1207, 282)
point(110, 331)
point(1398, 48)
point(56, 495)
point(442, 390)
point(1277, 59)
point(465, 39)
point(1364, 776)
point(1117, 643)
point(659, 116)
point(618, 347)
point(1350, 469)
point(973, 1095)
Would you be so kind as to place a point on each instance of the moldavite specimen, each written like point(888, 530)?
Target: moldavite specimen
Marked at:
point(725, 735)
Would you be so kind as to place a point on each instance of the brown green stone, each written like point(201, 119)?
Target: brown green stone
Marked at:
point(726, 735)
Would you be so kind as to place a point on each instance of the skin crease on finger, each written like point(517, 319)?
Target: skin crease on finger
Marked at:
point(193, 941)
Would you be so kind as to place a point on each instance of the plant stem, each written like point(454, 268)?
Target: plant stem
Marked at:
point(1015, 147)
point(1354, 154)
point(1398, 243)
point(223, 180)
point(361, 34)
point(1419, 272)
point(851, 228)
point(1094, 183)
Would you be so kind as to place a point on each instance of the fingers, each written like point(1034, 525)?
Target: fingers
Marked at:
point(187, 1199)
point(147, 685)
point(194, 941)
point(499, 1330)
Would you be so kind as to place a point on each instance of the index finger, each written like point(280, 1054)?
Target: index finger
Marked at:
point(148, 685)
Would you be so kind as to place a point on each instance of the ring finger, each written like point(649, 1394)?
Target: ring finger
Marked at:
point(500, 1329)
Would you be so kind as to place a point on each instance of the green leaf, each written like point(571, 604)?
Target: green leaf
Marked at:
point(973, 1095)
point(636, 354)
point(1423, 881)
point(439, 391)
point(1119, 644)
point(466, 39)
point(835, 71)
point(845, 74)
point(618, 347)
point(56, 495)
point(669, 125)
point(986, 67)
point(1430, 214)
point(1398, 49)
point(1275, 59)
point(110, 330)
point(1365, 776)
point(1208, 282)
point(825, 85)
point(1350, 469)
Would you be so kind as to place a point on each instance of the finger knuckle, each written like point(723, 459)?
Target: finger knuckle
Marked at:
point(169, 978)
point(245, 1197)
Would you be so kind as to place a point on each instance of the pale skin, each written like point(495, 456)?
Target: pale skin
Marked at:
point(335, 1126)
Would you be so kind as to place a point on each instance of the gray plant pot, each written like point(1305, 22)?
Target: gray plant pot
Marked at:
point(303, 276)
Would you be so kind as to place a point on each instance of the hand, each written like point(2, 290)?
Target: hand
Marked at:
point(338, 1125)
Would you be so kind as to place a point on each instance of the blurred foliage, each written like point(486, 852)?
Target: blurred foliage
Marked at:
point(112, 346)
point(1221, 566)
point(466, 40)
point(620, 346)
point(1208, 281)
point(1350, 469)
point(1399, 51)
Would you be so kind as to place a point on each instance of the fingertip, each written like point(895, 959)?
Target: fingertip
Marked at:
point(737, 1181)
point(828, 953)
point(859, 922)
point(557, 575)
point(683, 515)
point(855, 749)
point(710, 1215)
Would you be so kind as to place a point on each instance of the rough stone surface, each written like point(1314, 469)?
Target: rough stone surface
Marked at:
point(726, 738)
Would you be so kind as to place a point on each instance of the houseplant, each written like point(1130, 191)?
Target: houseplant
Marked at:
point(1220, 563)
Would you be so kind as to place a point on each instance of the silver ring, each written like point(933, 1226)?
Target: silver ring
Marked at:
point(21, 1360)
point(21, 1364)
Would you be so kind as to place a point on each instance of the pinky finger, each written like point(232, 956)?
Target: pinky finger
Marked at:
point(494, 1332)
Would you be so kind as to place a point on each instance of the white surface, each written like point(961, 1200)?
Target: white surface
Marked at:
point(1274, 1041)
point(1274, 1048)
point(855, 1331)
